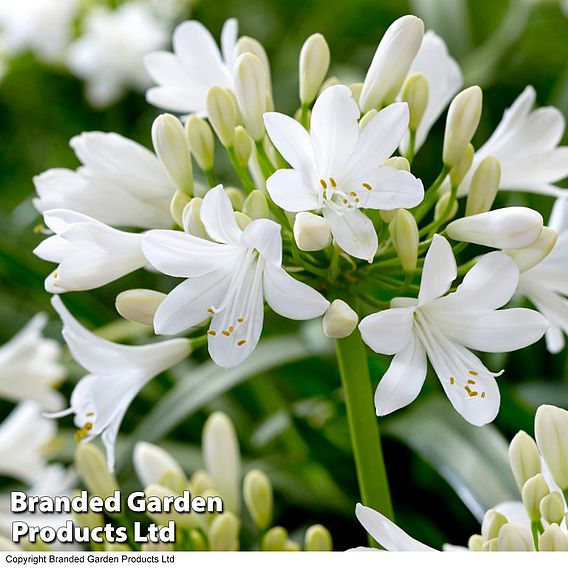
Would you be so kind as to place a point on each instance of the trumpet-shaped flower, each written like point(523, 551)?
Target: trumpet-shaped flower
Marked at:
point(227, 280)
point(29, 367)
point(336, 167)
point(120, 183)
point(90, 254)
point(185, 76)
point(526, 145)
point(116, 374)
point(445, 328)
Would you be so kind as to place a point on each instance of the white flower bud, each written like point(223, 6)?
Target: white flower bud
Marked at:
point(460, 169)
point(340, 320)
point(243, 145)
point(139, 305)
point(366, 118)
point(201, 142)
point(415, 93)
point(524, 458)
point(484, 186)
point(274, 540)
point(198, 542)
point(291, 546)
point(442, 206)
point(551, 430)
point(534, 491)
point(201, 482)
point(462, 121)
point(513, 537)
point(222, 114)
point(257, 493)
point(172, 148)
point(92, 468)
point(224, 533)
point(356, 89)
point(530, 256)
point(492, 523)
point(391, 62)
point(404, 235)
point(222, 458)
point(89, 519)
point(552, 508)
point(476, 542)
point(177, 205)
point(191, 219)
point(318, 539)
point(311, 232)
point(388, 216)
point(398, 162)
point(507, 228)
point(236, 197)
point(182, 520)
point(250, 88)
point(491, 545)
point(242, 220)
point(250, 45)
point(256, 205)
point(314, 63)
point(553, 539)
point(151, 463)
point(329, 82)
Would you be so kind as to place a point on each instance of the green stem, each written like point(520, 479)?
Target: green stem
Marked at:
point(536, 530)
point(242, 172)
point(444, 215)
point(431, 195)
point(266, 166)
point(210, 177)
point(304, 116)
point(411, 147)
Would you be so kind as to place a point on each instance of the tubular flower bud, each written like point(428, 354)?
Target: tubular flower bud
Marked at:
point(388, 216)
point(177, 205)
point(461, 123)
point(484, 186)
point(475, 543)
point(442, 206)
point(491, 545)
point(340, 320)
point(311, 232)
point(274, 540)
point(553, 539)
point(200, 482)
point(172, 148)
point(197, 540)
point(391, 62)
point(552, 508)
point(255, 205)
point(524, 458)
point(139, 305)
point(508, 228)
point(398, 162)
point(243, 145)
point(415, 93)
point(330, 82)
point(257, 493)
point(533, 492)
point(151, 463)
point(314, 63)
point(492, 523)
point(242, 220)
point(191, 219)
point(92, 468)
point(90, 520)
point(460, 169)
point(250, 45)
point(250, 87)
point(356, 91)
point(318, 539)
point(551, 431)
point(530, 256)
point(222, 115)
point(366, 118)
point(513, 537)
point(404, 234)
point(224, 532)
point(236, 197)
point(201, 142)
point(163, 518)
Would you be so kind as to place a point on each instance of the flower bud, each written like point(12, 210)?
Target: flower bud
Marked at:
point(404, 235)
point(139, 305)
point(89, 519)
point(177, 205)
point(250, 88)
point(250, 45)
point(475, 543)
point(462, 121)
point(340, 320)
point(534, 491)
point(92, 468)
point(200, 482)
point(257, 493)
point(492, 523)
point(274, 540)
point(242, 220)
point(222, 114)
point(553, 539)
point(171, 479)
point(356, 89)
point(491, 545)
point(314, 63)
point(415, 93)
point(551, 430)
point(224, 532)
point(8, 546)
point(191, 219)
point(311, 232)
point(552, 508)
point(182, 520)
point(172, 148)
point(151, 462)
point(388, 216)
point(442, 206)
point(484, 186)
point(524, 458)
point(507, 228)
point(460, 169)
point(256, 205)
point(530, 256)
point(513, 537)
point(391, 62)
point(243, 146)
point(366, 118)
point(197, 540)
point(398, 163)
point(222, 458)
point(201, 142)
point(318, 539)
point(291, 546)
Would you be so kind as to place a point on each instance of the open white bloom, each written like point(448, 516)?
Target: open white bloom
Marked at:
point(90, 254)
point(336, 167)
point(444, 329)
point(546, 284)
point(185, 76)
point(29, 367)
point(116, 374)
point(120, 183)
point(227, 280)
point(526, 145)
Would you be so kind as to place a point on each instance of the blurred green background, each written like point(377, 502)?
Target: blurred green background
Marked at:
point(291, 419)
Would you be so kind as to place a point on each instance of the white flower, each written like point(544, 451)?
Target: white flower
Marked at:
point(228, 280)
point(120, 183)
point(445, 328)
point(116, 374)
point(526, 145)
point(90, 254)
point(29, 367)
point(546, 284)
point(185, 76)
point(336, 167)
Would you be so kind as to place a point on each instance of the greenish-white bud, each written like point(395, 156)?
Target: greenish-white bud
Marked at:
point(200, 482)
point(256, 205)
point(182, 520)
point(398, 162)
point(311, 232)
point(524, 458)
point(366, 118)
point(490, 545)
point(243, 145)
point(274, 540)
point(460, 169)
point(201, 142)
point(356, 89)
point(291, 546)
point(314, 64)
point(172, 148)
point(404, 235)
point(222, 114)
point(553, 539)
point(242, 220)
point(441, 208)
point(250, 45)
point(551, 430)
point(250, 87)
point(236, 196)
point(534, 491)
point(318, 539)
point(257, 493)
point(462, 121)
point(340, 320)
point(532, 255)
point(139, 305)
point(89, 519)
point(415, 93)
point(388, 216)
point(8, 546)
point(514, 537)
point(484, 186)
point(552, 508)
point(329, 82)
point(151, 463)
point(177, 205)
point(224, 532)
point(191, 219)
point(197, 540)
point(476, 542)
point(92, 468)
point(492, 523)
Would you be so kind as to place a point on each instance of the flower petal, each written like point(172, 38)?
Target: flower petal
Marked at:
point(229, 35)
point(439, 271)
point(264, 236)
point(292, 190)
point(389, 331)
point(392, 189)
point(218, 217)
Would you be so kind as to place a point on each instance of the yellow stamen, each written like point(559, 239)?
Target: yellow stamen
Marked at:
point(471, 381)
point(474, 373)
point(367, 186)
point(241, 342)
point(212, 332)
point(332, 181)
point(323, 184)
point(452, 380)
point(226, 333)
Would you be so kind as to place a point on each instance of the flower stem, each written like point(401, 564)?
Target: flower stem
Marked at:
point(242, 172)
point(211, 179)
point(430, 196)
point(266, 165)
point(304, 116)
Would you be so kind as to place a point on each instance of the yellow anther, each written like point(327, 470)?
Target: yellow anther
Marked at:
point(90, 413)
point(483, 395)
point(471, 381)
point(367, 186)
point(357, 200)
point(211, 310)
point(38, 229)
point(323, 184)
point(467, 389)
point(88, 426)
point(240, 320)
point(231, 329)
point(332, 181)
point(212, 332)
point(226, 333)
point(241, 342)
point(353, 194)
point(452, 380)
point(474, 373)
point(55, 274)
point(345, 202)
point(473, 393)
